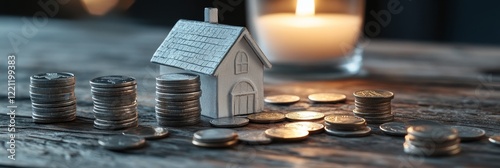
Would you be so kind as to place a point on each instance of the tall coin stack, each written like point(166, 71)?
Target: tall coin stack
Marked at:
point(115, 105)
point(178, 99)
point(53, 97)
point(346, 126)
point(427, 140)
point(374, 106)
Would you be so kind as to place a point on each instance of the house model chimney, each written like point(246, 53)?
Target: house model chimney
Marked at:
point(211, 15)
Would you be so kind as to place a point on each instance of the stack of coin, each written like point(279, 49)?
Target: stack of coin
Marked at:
point(431, 140)
point(53, 97)
point(374, 106)
point(215, 138)
point(115, 105)
point(178, 99)
point(346, 126)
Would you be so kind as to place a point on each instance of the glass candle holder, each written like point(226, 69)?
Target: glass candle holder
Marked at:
point(309, 38)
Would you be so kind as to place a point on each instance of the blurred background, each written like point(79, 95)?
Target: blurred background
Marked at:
point(442, 21)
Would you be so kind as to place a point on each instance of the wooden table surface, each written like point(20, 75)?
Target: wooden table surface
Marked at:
point(451, 84)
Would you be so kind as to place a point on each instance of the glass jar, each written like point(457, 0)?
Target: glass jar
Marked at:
point(309, 38)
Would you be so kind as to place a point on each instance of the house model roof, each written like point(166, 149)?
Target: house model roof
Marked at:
point(201, 46)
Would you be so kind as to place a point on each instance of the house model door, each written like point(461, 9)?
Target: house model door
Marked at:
point(243, 98)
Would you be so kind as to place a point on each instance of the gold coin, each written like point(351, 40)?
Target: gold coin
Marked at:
point(304, 115)
point(344, 120)
point(287, 134)
point(266, 117)
point(282, 99)
point(327, 97)
point(309, 126)
point(374, 94)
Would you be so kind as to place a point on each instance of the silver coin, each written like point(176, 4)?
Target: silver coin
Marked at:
point(190, 122)
point(52, 120)
point(438, 133)
point(357, 113)
point(114, 103)
point(381, 117)
point(254, 137)
point(53, 110)
point(178, 96)
point(175, 90)
point(103, 126)
point(304, 116)
point(430, 143)
point(345, 127)
point(358, 133)
point(282, 99)
point(177, 103)
point(413, 150)
point(167, 107)
point(215, 145)
point(495, 139)
point(115, 89)
point(114, 94)
point(126, 107)
point(336, 119)
point(373, 94)
point(327, 97)
point(52, 90)
point(394, 128)
point(287, 134)
point(52, 77)
point(469, 133)
point(55, 104)
point(178, 86)
point(161, 110)
point(113, 81)
point(266, 117)
point(229, 122)
point(119, 122)
point(121, 142)
point(115, 117)
point(178, 78)
point(178, 115)
point(63, 96)
point(61, 115)
point(147, 132)
point(215, 135)
point(178, 118)
point(113, 98)
point(312, 127)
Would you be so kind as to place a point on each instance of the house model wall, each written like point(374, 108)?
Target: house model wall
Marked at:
point(229, 62)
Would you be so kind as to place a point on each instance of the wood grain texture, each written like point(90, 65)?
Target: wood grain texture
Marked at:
point(451, 84)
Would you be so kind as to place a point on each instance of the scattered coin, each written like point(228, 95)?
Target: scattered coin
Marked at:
point(495, 139)
point(469, 133)
point(304, 115)
point(147, 132)
point(357, 133)
point(254, 137)
point(215, 135)
point(216, 138)
point(327, 97)
point(266, 117)
point(121, 142)
point(394, 128)
point(229, 122)
point(287, 134)
point(215, 145)
point(309, 126)
point(282, 99)
point(53, 98)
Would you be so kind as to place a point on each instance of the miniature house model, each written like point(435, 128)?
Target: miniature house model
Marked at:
point(227, 58)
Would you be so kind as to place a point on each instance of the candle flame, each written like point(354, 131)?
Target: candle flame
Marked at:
point(305, 8)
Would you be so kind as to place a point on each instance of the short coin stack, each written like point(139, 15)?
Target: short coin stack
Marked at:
point(215, 138)
point(53, 97)
point(178, 99)
point(346, 126)
point(427, 140)
point(374, 106)
point(115, 105)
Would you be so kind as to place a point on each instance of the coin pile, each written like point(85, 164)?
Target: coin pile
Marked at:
point(115, 105)
point(374, 106)
point(427, 140)
point(53, 97)
point(346, 126)
point(178, 99)
point(215, 138)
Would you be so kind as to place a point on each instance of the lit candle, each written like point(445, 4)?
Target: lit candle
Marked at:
point(305, 36)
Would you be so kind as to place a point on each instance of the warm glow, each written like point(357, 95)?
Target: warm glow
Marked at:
point(99, 7)
point(305, 8)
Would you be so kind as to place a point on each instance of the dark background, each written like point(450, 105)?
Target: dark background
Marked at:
point(447, 21)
